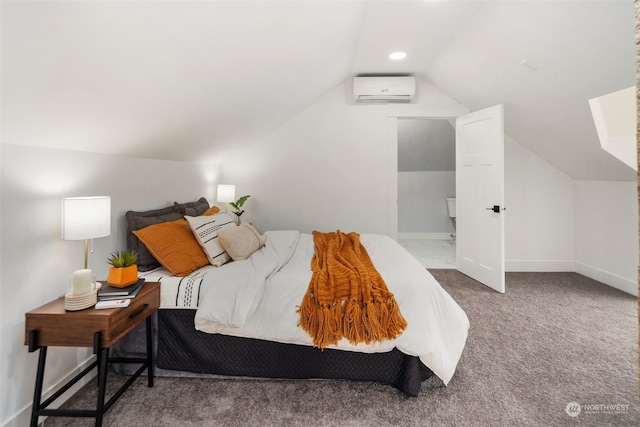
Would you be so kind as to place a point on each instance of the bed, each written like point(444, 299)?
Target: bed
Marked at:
point(240, 319)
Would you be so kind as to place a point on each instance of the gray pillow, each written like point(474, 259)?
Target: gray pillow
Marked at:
point(196, 208)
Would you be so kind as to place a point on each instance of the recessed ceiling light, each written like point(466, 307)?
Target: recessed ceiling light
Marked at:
point(398, 55)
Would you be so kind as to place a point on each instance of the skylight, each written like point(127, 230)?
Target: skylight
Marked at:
point(614, 115)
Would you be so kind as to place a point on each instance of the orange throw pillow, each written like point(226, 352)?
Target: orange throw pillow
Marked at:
point(174, 246)
point(211, 211)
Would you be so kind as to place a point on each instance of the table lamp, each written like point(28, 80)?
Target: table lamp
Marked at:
point(85, 218)
point(226, 194)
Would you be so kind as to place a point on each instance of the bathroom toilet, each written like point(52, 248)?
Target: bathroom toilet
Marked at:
point(451, 206)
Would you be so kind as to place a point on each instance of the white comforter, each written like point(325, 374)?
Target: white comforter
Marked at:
point(258, 298)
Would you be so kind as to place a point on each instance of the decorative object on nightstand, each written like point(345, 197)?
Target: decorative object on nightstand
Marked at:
point(84, 218)
point(124, 270)
point(75, 302)
point(237, 205)
point(226, 194)
point(108, 292)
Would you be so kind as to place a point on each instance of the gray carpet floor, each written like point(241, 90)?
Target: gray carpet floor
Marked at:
point(552, 341)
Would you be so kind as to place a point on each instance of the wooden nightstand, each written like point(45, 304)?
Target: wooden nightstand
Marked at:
point(51, 325)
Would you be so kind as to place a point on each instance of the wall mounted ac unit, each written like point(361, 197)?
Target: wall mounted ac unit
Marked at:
point(384, 89)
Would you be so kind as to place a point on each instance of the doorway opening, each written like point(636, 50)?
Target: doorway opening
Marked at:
point(426, 189)
point(479, 188)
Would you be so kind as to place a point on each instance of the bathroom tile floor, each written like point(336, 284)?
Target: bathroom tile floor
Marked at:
point(432, 253)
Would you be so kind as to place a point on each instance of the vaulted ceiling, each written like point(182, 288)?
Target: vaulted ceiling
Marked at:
point(187, 80)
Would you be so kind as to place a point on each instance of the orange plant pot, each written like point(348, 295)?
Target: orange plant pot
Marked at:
point(121, 277)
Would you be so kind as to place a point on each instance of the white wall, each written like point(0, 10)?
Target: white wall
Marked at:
point(422, 203)
point(606, 229)
point(539, 231)
point(36, 262)
point(325, 169)
point(556, 223)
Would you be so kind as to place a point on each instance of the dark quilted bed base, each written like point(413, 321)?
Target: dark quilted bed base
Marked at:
point(181, 347)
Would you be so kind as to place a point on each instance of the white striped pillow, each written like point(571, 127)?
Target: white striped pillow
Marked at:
point(205, 229)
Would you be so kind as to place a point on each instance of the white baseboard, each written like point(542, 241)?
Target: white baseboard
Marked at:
point(23, 417)
point(610, 279)
point(539, 265)
point(425, 236)
point(622, 283)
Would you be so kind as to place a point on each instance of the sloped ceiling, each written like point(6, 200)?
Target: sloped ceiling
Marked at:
point(192, 80)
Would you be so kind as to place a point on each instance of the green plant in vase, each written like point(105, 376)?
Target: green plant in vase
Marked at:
point(121, 259)
point(124, 270)
point(237, 206)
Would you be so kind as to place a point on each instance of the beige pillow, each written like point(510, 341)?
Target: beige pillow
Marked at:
point(241, 241)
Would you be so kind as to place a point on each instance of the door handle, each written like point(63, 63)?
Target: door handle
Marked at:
point(495, 208)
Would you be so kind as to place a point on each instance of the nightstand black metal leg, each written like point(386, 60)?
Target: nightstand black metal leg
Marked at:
point(37, 397)
point(149, 353)
point(103, 358)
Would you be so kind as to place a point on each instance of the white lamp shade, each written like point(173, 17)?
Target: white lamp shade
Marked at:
point(226, 193)
point(86, 217)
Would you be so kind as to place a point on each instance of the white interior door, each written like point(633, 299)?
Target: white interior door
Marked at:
point(480, 196)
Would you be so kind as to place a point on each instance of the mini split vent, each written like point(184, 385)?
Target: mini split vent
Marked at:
point(384, 89)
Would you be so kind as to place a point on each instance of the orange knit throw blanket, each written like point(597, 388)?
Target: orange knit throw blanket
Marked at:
point(347, 297)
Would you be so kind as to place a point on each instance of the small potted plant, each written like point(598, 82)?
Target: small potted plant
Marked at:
point(124, 270)
point(237, 206)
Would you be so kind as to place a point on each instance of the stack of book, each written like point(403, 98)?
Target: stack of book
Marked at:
point(111, 293)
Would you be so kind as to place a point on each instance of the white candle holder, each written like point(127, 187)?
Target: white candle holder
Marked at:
point(82, 293)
